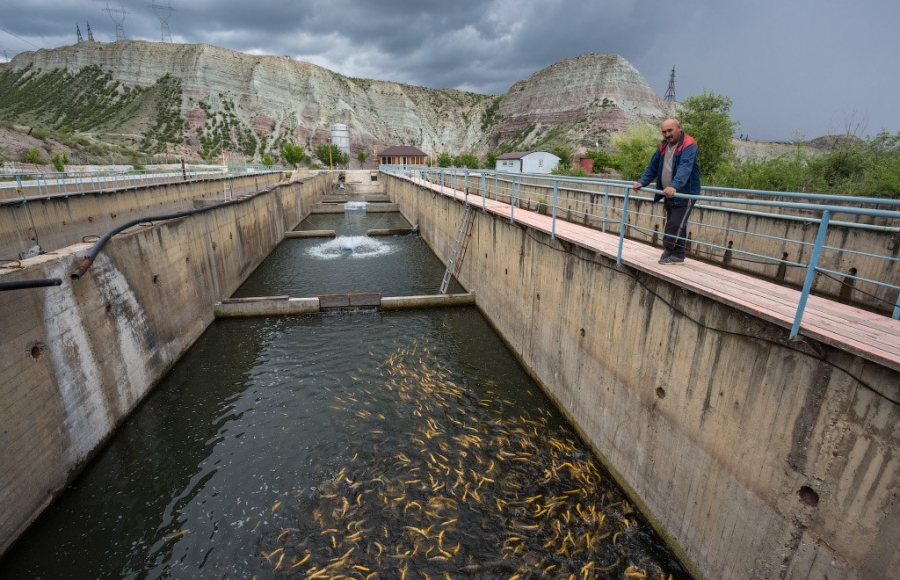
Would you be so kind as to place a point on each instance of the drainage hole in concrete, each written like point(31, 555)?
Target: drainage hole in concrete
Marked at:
point(582, 332)
point(808, 496)
point(660, 392)
point(36, 350)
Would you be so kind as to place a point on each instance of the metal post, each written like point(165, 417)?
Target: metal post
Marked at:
point(442, 181)
point(897, 309)
point(512, 200)
point(810, 273)
point(483, 192)
point(466, 186)
point(622, 227)
point(555, 198)
point(605, 209)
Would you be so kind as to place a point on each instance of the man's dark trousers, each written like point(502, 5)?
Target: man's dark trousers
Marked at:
point(676, 225)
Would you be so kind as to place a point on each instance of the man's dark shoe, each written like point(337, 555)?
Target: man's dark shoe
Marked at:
point(671, 260)
point(665, 254)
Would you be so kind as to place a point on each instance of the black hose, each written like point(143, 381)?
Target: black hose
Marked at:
point(22, 284)
point(95, 251)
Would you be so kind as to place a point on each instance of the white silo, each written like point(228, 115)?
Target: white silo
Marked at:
point(340, 136)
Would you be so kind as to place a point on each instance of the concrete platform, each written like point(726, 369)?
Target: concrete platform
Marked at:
point(284, 305)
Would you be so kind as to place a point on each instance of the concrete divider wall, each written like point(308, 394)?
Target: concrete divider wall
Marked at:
point(76, 359)
point(723, 431)
point(727, 229)
point(61, 221)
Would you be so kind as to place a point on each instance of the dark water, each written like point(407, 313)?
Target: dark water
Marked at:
point(351, 445)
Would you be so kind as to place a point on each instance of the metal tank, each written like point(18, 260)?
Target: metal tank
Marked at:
point(340, 136)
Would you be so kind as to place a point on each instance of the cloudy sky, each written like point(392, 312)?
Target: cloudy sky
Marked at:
point(791, 67)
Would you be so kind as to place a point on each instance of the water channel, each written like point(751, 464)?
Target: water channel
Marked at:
point(345, 445)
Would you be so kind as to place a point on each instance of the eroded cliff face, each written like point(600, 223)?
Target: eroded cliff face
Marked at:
point(278, 97)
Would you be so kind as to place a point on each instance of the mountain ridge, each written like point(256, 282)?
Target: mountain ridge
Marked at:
point(166, 97)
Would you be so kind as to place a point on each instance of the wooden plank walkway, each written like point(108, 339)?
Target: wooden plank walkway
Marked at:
point(865, 334)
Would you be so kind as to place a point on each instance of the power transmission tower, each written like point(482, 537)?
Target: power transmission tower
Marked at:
point(78, 32)
point(90, 34)
point(163, 13)
point(118, 16)
point(670, 92)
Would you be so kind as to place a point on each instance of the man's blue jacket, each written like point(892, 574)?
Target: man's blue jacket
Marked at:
point(685, 171)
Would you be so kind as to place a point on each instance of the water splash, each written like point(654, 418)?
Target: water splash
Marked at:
point(351, 247)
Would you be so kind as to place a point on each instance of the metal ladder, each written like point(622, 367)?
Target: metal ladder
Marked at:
point(461, 237)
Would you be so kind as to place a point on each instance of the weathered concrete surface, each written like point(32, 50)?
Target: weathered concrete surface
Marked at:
point(274, 306)
point(60, 221)
point(711, 418)
point(77, 358)
point(310, 234)
point(339, 208)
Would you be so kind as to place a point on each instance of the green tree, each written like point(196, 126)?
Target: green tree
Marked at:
point(267, 160)
point(467, 160)
point(490, 160)
point(444, 160)
point(59, 160)
point(633, 149)
point(362, 157)
point(293, 154)
point(565, 156)
point(602, 159)
point(331, 155)
point(705, 118)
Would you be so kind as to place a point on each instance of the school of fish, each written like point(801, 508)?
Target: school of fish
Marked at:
point(457, 486)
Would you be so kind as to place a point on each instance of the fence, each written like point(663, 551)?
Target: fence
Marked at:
point(791, 238)
point(45, 185)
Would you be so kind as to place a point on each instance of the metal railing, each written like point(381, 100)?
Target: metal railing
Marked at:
point(15, 186)
point(751, 230)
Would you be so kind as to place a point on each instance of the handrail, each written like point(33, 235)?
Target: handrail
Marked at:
point(48, 185)
point(582, 197)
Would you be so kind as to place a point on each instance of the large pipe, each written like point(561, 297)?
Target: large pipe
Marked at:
point(95, 251)
point(22, 284)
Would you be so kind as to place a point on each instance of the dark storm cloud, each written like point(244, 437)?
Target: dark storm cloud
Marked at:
point(807, 66)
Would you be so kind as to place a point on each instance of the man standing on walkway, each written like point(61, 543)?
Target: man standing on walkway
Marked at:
point(674, 167)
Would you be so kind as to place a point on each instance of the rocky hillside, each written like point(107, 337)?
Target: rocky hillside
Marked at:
point(197, 100)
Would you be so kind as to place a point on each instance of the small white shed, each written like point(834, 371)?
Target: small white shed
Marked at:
point(527, 162)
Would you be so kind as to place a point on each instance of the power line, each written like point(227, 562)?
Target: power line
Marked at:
point(19, 37)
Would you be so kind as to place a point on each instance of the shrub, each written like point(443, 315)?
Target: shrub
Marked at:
point(32, 155)
point(59, 160)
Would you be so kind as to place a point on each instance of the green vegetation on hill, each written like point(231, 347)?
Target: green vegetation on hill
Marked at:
point(224, 131)
point(59, 100)
point(169, 126)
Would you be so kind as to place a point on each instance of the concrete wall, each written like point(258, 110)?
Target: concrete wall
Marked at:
point(76, 359)
point(61, 221)
point(721, 429)
point(584, 203)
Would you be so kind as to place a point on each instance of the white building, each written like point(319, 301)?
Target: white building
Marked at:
point(525, 162)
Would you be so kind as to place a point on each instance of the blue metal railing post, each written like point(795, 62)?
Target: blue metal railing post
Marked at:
point(483, 192)
point(512, 200)
point(605, 209)
point(555, 199)
point(897, 309)
point(810, 273)
point(442, 181)
point(622, 227)
point(466, 186)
